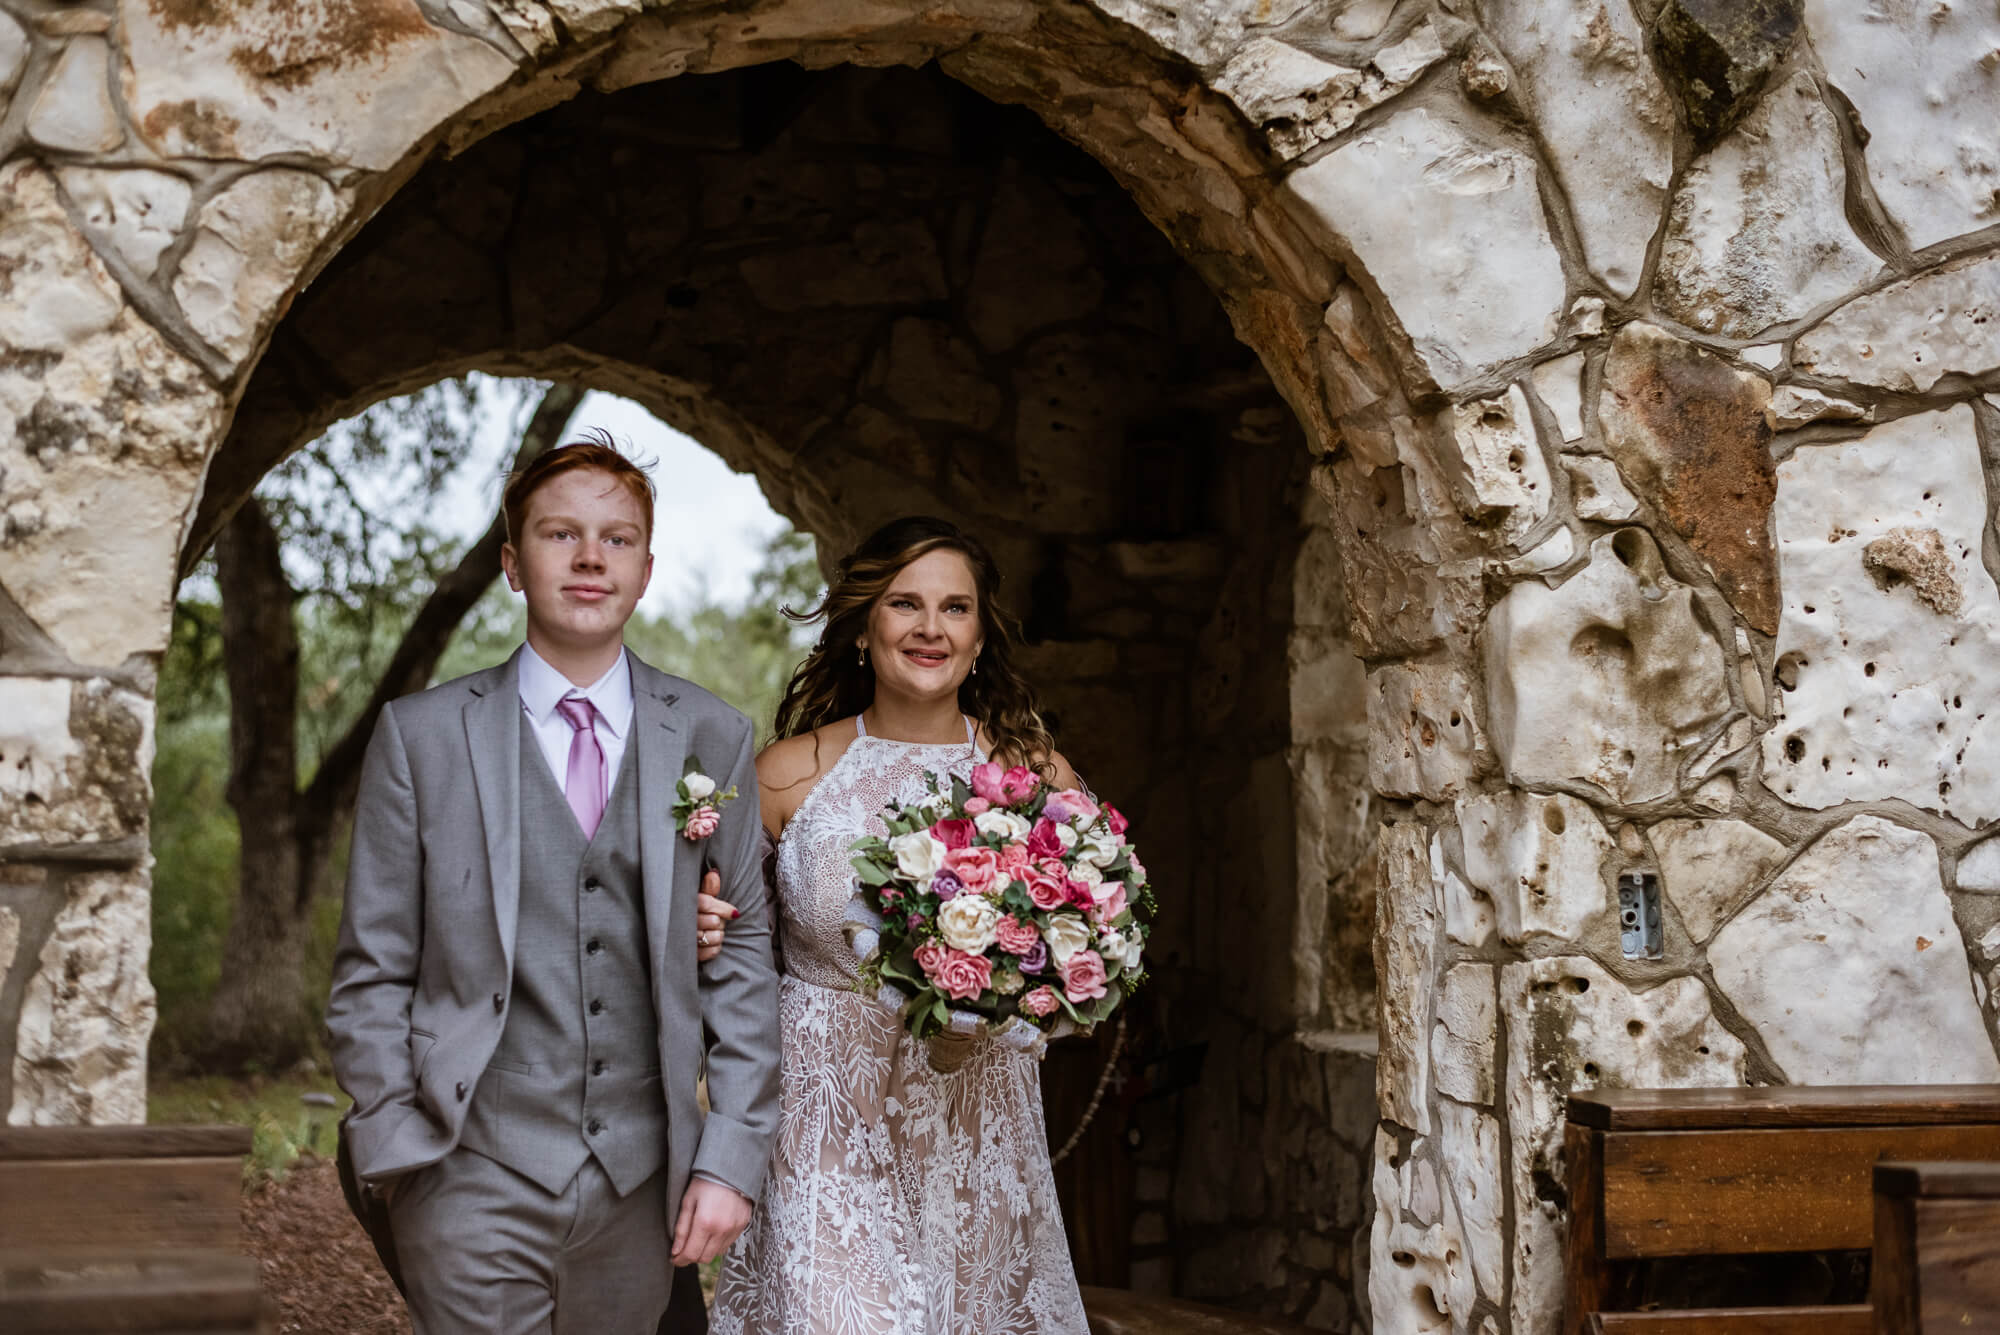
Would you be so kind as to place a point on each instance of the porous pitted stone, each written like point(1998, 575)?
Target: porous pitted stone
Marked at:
point(1301, 100)
point(1462, 1040)
point(1912, 334)
point(1496, 468)
point(1605, 117)
point(1891, 623)
point(1921, 77)
point(74, 761)
point(1708, 867)
point(1689, 429)
point(1539, 858)
point(1596, 490)
point(1758, 235)
point(135, 212)
point(1405, 973)
point(1852, 967)
point(1424, 736)
point(1609, 678)
point(1450, 228)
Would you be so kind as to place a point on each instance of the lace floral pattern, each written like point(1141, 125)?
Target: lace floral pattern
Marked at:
point(900, 1201)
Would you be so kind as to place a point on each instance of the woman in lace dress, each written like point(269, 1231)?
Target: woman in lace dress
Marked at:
point(900, 1201)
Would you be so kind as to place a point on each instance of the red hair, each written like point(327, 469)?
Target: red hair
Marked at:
point(595, 450)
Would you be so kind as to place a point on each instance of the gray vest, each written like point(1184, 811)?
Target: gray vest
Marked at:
point(577, 1072)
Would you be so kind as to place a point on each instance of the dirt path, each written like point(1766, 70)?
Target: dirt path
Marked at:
point(320, 1275)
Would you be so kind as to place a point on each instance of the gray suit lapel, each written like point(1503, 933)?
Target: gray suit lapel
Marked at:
point(662, 742)
point(493, 737)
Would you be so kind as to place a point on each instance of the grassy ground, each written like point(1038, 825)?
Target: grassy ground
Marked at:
point(283, 1126)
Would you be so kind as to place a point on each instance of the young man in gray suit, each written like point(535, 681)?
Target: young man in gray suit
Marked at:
point(517, 1009)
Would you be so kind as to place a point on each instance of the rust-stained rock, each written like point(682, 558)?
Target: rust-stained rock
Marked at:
point(1692, 432)
point(1916, 557)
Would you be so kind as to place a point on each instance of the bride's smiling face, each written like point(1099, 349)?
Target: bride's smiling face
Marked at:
point(925, 632)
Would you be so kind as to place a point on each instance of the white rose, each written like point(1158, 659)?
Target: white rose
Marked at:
point(1090, 876)
point(1066, 935)
point(1100, 848)
point(967, 923)
point(1067, 836)
point(919, 854)
point(699, 786)
point(1001, 825)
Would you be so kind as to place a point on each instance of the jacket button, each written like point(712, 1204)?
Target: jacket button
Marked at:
point(593, 885)
point(499, 1003)
point(597, 1008)
point(595, 1126)
point(461, 1091)
point(594, 946)
point(597, 1067)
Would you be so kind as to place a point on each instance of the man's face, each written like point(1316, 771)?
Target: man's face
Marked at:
point(581, 558)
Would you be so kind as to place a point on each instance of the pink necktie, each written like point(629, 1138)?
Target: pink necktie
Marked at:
point(584, 785)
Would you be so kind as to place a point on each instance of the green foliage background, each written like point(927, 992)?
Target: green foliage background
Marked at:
point(360, 583)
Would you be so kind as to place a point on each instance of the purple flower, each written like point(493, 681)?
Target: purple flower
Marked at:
point(1037, 958)
point(914, 921)
point(946, 885)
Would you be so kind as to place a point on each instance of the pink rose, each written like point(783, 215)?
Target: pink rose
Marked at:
point(1043, 842)
point(1046, 891)
point(1019, 784)
point(977, 806)
point(1014, 863)
point(986, 784)
point(1083, 977)
point(953, 833)
point(974, 866)
point(1116, 817)
point(1041, 1001)
point(1112, 904)
point(931, 957)
point(1016, 937)
point(963, 976)
point(1138, 867)
point(702, 822)
point(1068, 804)
point(1080, 896)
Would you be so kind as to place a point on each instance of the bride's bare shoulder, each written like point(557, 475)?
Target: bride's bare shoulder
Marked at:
point(788, 768)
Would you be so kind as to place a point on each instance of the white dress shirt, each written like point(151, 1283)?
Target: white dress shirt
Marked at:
point(542, 688)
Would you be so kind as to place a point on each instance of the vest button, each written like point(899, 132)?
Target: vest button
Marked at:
point(499, 1003)
point(595, 1126)
point(461, 1091)
point(597, 1008)
point(594, 946)
point(597, 1067)
point(593, 885)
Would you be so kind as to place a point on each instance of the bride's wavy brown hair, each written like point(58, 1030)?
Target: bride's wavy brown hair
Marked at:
point(830, 684)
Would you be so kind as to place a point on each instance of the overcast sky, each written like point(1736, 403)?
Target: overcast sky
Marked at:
point(709, 524)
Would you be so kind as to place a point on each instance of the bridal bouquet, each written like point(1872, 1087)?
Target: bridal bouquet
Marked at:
point(1006, 904)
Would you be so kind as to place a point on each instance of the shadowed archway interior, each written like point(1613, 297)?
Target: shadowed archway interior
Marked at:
point(882, 293)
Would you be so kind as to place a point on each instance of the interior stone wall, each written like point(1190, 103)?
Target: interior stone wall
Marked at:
point(1644, 356)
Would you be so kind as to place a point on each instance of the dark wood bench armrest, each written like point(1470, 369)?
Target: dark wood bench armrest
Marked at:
point(1854, 1320)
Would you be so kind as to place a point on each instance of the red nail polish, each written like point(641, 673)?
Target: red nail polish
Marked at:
point(735, 913)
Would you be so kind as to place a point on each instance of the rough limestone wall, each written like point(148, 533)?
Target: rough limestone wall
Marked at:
point(1669, 548)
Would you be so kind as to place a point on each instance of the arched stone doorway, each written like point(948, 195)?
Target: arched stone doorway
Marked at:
point(883, 293)
point(1533, 294)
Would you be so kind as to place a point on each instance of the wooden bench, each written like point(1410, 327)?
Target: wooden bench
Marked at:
point(124, 1228)
point(1937, 1248)
point(1733, 1172)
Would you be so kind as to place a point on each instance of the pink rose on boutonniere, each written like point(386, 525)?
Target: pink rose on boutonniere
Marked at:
point(697, 805)
point(1083, 976)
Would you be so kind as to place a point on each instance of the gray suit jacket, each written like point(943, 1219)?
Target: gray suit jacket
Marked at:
point(425, 964)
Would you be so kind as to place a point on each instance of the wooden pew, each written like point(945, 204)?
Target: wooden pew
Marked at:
point(1118, 1312)
point(124, 1228)
point(1937, 1248)
point(1728, 1172)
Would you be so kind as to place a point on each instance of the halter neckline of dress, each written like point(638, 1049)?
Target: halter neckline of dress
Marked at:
point(861, 730)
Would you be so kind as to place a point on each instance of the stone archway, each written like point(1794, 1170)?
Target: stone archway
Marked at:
point(1593, 359)
point(898, 296)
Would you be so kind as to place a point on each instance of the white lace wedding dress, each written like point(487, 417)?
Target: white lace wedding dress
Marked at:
point(900, 1201)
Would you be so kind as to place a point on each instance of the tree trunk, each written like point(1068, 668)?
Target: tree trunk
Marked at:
point(260, 1014)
